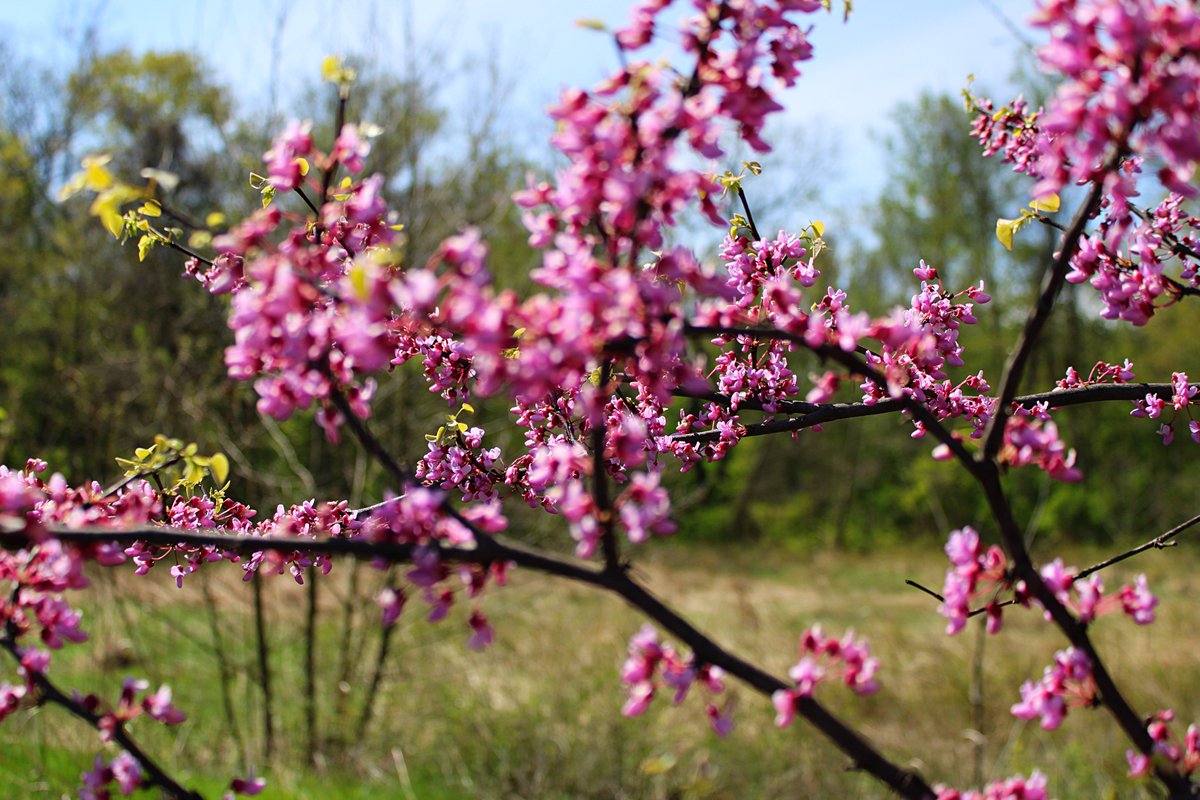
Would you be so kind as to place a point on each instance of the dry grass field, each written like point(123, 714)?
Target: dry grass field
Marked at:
point(538, 714)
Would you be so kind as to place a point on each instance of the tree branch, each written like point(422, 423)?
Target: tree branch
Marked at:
point(1038, 315)
point(823, 413)
point(48, 692)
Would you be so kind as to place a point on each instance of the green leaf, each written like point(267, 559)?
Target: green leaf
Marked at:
point(591, 25)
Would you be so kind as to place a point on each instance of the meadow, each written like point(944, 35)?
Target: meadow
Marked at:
point(537, 715)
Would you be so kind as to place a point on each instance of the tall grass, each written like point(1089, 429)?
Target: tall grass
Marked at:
point(538, 714)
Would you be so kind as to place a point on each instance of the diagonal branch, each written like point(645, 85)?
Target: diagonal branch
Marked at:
point(48, 692)
point(1056, 276)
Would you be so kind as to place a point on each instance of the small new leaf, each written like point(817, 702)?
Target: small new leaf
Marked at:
point(1006, 229)
point(1049, 204)
point(167, 180)
point(218, 465)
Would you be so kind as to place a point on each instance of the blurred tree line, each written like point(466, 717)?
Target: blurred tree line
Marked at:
point(101, 352)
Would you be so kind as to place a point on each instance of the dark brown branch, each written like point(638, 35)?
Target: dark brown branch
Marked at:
point(304, 196)
point(823, 413)
point(857, 365)
point(749, 216)
point(1157, 543)
point(600, 489)
point(1056, 276)
point(372, 445)
point(1131, 723)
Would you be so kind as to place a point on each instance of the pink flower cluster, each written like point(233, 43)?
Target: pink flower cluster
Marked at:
point(1125, 258)
point(1015, 788)
point(464, 464)
point(130, 706)
point(1131, 69)
point(1132, 72)
point(1103, 372)
point(124, 771)
point(826, 658)
point(1183, 758)
point(1086, 598)
point(1152, 407)
point(652, 666)
point(1031, 438)
point(974, 572)
point(1011, 129)
point(1066, 682)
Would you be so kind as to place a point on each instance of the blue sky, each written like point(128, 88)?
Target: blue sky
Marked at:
point(888, 52)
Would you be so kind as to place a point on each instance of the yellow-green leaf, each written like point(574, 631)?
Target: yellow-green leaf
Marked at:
point(657, 765)
point(107, 206)
point(192, 474)
point(358, 281)
point(1049, 204)
point(591, 24)
point(167, 180)
point(818, 227)
point(331, 66)
point(467, 407)
point(334, 70)
point(1005, 230)
point(214, 219)
point(218, 465)
point(303, 162)
point(150, 208)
